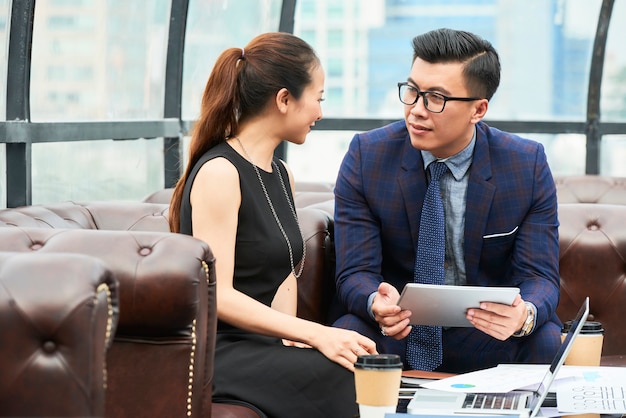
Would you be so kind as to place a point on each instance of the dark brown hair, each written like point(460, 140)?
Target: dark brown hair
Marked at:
point(482, 64)
point(239, 87)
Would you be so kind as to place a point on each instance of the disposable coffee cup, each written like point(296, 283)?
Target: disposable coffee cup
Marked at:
point(587, 347)
point(377, 383)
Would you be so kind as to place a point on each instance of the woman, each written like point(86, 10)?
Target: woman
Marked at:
point(239, 199)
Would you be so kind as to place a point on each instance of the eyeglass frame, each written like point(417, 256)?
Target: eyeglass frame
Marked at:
point(425, 100)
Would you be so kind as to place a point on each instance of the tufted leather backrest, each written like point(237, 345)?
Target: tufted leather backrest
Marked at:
point(62, 215)
point(143, 260)
point(161, 362)
point(54, 332)
point(116, 216)
point(592, 262)
point(129, 216)
point(591, 189)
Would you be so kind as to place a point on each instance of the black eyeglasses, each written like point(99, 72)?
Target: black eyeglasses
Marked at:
point(433, 102)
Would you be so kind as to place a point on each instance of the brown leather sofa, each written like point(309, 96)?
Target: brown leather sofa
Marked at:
point(161, 359)
point(55, 330)
point(592, 253)
point(316, 286)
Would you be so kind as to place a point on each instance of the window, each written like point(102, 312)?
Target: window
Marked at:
point(233, 24)
point(118, 46)
point(545, 66)
point(97, 61)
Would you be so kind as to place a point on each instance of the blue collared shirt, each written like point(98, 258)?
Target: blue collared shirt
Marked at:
point(454, 193)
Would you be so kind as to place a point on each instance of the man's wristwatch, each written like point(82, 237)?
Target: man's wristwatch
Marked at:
point(528, 325)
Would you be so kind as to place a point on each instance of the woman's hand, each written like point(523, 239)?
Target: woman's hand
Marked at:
point(343, 346)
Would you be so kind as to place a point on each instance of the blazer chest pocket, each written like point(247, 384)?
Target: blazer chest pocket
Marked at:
point(500, 238)
point(496, 252)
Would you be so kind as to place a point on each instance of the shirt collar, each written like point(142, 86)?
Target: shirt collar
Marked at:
point(458, 164)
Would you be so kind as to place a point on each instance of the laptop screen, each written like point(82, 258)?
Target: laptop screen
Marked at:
point(559, 358)
point(577, 324)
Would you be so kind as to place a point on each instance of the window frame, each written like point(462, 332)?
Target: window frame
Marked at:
point(19, 133)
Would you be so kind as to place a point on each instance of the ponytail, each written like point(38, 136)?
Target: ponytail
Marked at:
point(218, 117)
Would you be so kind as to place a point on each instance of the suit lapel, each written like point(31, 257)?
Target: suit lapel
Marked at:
point(413, 186)
point(480, 193)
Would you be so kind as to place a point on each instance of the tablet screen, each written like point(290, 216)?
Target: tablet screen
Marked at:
point(446, 305)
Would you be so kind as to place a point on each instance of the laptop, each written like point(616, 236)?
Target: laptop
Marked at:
point(515, 403)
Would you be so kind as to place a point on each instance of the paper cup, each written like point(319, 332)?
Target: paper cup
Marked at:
point(377, 382)
point(587, 348)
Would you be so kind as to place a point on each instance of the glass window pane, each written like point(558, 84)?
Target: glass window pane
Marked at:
point(545, 65)
point(214, 26)
point(3, 176)
point(613, 98)
point(613, 155)
point(98, 60)
point(96, 170)
point(319, 158)
point(4, 39)
point(565, 152)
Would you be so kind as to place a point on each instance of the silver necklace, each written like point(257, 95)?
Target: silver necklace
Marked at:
point(269, 202)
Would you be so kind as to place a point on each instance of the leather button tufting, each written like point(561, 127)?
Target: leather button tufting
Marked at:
point(36, 246)
point(49, 347)
point(145, 251)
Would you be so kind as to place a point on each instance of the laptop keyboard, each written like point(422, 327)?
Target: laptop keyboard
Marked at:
point(492, 401)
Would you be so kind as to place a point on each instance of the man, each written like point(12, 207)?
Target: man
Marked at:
point(499, 215)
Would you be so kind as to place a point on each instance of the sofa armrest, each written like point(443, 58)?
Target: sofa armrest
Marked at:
point(66, 215)
point(116, 216)
point(316, 286)
point(57, 318)
point(165, 339)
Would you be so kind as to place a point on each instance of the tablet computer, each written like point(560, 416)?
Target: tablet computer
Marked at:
point(446, 305)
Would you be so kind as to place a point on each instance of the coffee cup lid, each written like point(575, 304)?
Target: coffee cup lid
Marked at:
point(378, 361)
point(589, 327)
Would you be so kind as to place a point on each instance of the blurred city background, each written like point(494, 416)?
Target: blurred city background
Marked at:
point(103, 60)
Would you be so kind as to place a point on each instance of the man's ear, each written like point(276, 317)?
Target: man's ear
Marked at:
point(480, 110)
point(283, 97)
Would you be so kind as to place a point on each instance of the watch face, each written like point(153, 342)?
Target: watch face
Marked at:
point(530, 320)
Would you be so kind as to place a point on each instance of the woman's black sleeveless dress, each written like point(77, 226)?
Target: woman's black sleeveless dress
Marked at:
point(281, 381)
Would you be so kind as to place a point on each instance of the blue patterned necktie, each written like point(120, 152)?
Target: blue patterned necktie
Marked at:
point(423, 349)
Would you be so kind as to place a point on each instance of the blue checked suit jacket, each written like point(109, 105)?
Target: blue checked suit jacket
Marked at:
point(511, 224)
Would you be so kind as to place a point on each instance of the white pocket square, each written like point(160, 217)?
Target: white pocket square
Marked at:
point(502, 234)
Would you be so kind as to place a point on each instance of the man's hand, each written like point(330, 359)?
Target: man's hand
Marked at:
point(498, 320)
point(393, 321)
